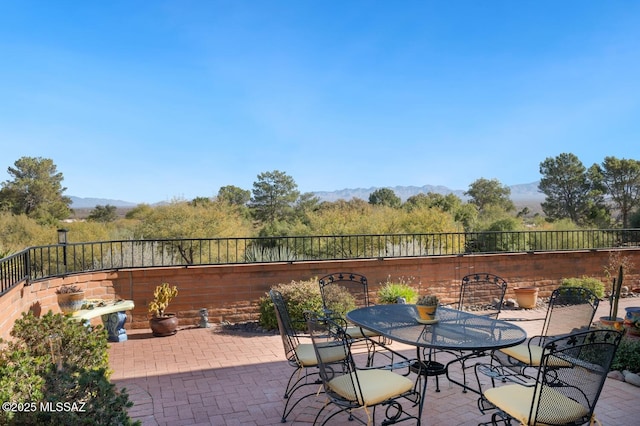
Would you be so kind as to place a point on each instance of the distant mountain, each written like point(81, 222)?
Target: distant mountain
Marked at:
point(89, 203)
point(521, 192)
point(527, 192)
point(403, 192)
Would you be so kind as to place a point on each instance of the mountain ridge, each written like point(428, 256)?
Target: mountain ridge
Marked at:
point(519, 192)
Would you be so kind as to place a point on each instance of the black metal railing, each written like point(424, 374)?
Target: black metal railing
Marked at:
point(36, 263)
point(14, 270)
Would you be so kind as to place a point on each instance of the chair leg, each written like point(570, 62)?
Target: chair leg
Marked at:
point(341, 410)
point(287, 410)
point(503, 419)
point(292, 387)
point(464, 376)
point(371, 352)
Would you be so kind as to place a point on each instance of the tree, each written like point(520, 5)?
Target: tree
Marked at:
point(424, 220)
point(485, 192)
point(234, 195)
point(620, 179)
point(342, 217)
point(418, 201)
point(105, 213)
point(568, 191)
point(385, 197)
point(36, 190)
point(200, 201)
point(467, 215)
point(20, 231)
point(139, 212)
point(306, 204)
point(447, 203)
point(634, 219)
point(274, 194)
point(180, 220)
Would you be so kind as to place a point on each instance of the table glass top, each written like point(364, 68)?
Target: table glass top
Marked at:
point(454, 330)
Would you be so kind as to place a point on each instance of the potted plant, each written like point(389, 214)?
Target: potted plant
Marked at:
point(397, 292)
point(613, 321)
point(70, 298)
point(162, 323)
point(427, 307)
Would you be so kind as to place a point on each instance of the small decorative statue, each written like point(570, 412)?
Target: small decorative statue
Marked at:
point(204, 318)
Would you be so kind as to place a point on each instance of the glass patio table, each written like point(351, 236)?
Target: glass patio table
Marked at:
point(463, 334)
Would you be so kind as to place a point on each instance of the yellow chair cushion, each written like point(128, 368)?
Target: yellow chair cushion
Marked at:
point(307, 355)
point(524, 353)
point(532, 355)
point(359, 333)
point(376, 386)
point(516, 400)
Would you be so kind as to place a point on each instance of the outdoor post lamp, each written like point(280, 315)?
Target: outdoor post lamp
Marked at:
point(62, 239)
point(62, 236)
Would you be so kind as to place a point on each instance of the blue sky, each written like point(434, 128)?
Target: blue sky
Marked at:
point(149, 101)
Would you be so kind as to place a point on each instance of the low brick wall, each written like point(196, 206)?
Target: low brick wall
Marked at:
point(40, 296)
point(232, 292)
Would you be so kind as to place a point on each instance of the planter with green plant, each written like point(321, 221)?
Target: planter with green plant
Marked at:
point(613, 321)
point(162, 323)
point(397, 292)
point(427, 307)
point(619, 263)
point(70, 298)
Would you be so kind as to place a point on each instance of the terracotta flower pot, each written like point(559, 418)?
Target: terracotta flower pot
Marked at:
point(612, 323)
point(166, 325)
point(427, 312)
point(70, 302)
point(527, 297)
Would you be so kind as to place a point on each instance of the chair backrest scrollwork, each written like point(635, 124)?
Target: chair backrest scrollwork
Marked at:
point(482, 293)
point(354, 283)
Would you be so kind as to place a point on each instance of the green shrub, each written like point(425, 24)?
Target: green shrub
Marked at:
point(301, 296)
point(54, 359)
point(593, 284)
point(628, 356)
point(390, 291)
point(339, 300)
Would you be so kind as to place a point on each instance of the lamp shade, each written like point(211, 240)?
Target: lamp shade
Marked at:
point(62, 236)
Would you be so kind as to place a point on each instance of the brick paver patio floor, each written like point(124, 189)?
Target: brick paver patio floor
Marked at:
point(206, 377)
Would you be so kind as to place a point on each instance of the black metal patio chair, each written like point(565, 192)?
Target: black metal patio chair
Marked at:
point(565, 395)
point(480, 294)
point(301, 356)
point(351, 388)
point(332, 287)
point(570, 309)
